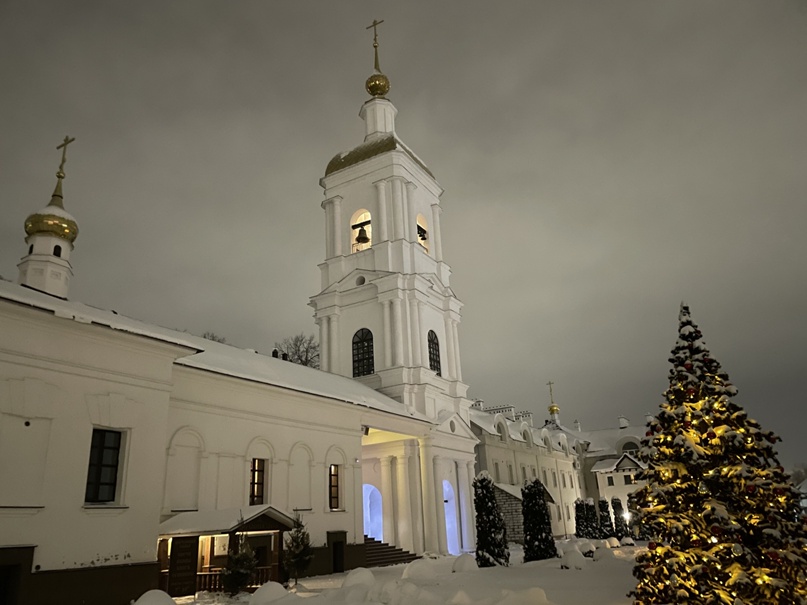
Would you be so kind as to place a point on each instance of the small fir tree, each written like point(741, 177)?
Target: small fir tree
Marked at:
point(592, 525)
point(580, 519)
point(606, 527)
point(491, 534)
point(723, 515)
point(241, 564)
point(538, 541)
point(297, 553)
point(620, 524)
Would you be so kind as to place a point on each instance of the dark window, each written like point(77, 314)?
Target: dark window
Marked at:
point(434, 352)
point(554, 479)
point(363, 353)
point(31, 249)
point(629, 480)
point(610, 481)
point(57, 251)
point(496, 472)
point(102, 476)
point(563, 480)
point(333, 487)
point(630, 446)
point(257, 476)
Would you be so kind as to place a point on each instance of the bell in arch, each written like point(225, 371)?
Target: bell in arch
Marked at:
point(362, 238)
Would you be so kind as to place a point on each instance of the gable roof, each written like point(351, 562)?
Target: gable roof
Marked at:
point(224, 521)
point(611, 464)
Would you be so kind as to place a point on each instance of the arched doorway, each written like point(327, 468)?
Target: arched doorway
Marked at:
point(373, 512)
point(452, 527)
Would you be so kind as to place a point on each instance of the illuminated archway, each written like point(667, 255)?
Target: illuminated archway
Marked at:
point(373, 512)
point(452, 524)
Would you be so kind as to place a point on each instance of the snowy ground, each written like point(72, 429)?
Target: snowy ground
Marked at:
point(604, 580)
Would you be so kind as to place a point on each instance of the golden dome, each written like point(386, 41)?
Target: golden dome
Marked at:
point(53, 219)
point(377, 85)
point(554, 409)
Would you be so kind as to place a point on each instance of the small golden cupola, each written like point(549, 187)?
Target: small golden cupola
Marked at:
point(50, 234)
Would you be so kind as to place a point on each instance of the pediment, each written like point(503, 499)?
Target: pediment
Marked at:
point(350, 281)
point(452, 424)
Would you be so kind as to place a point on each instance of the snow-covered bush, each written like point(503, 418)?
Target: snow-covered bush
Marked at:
point(269, 592)
point(627, 541)
point(572, 559)
point(155, 597)
point(491, 534)
point(538, 541)
point(464, 562)
point(612, 543)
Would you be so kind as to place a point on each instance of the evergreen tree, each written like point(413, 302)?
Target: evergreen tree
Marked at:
point(606, 527)
point(491, 535)
point(620, 524)
point(592, 526)
point(297, 553)
point(580, 519)
point(241, 564)
point(722, 512)
point(538, 541)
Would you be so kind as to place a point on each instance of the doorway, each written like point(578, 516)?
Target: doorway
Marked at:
point(452, 527)
point(373, 512)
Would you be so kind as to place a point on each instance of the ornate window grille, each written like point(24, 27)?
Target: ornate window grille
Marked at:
point(434, 352)
point(363, 353)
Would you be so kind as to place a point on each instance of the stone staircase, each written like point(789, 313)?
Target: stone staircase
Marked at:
point(380, 554)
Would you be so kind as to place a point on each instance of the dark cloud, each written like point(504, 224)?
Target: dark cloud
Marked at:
point(602, 162)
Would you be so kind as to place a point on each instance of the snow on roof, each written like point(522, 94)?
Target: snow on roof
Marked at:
point(513, 490)
point(611, 464)
point(217, 357)
point(220, 521)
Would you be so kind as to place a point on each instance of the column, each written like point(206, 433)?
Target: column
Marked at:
point(328, 206)
point(424, 341)
point(404, 503)
point(412, 215)
point(435, 233)
point(441, 509)
point(333, 338)
point(337, 226)
point(385, 305)
point(472, 525)
point(466, 514)
point(357, 504)
point(381, 199)
point(455, 334)
point(417, 337)
point(452, 368)
point(397, 332)
point(387, 499)
point(279, 497)
point(397, 208)
point(324, 340)
point(431, 543)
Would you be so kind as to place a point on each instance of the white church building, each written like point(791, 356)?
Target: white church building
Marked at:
point(131, 455)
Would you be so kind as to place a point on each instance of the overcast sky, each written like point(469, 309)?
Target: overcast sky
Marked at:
point(601, 161)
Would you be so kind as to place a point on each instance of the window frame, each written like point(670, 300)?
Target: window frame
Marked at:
point(257, 482)
point(95, 467)
point(610, 480)
point(334, 487)
point(433, 345)
point(363, 353)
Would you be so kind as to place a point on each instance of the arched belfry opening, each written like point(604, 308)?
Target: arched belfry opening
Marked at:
point(423, 232)
point(361, 231)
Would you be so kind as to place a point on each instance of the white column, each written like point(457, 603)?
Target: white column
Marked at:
point(337, 226)
point(441, 508)
point(381, 198)
point(466, 513)
point(406, 325)
point(456, 339)
point(412, 215)
point(452, 368)
point(417, 337)
point(431, 543)
point(470, 466)
point(328, 206)
point(397, 332)
point(324, 340)
point(424, 341)
point(358, 509)
point(387, 499)
point(385, 305)
point(435, 233)
point(333, 363)
point(404, 503)
point(397, 207)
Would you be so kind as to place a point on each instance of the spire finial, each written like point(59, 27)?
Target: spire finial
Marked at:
point(63, 147)
point(377, 84)
point(553, 407)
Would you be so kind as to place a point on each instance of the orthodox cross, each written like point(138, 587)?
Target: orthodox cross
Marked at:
point(375, 25)
point(63, 147)
point(551, 397)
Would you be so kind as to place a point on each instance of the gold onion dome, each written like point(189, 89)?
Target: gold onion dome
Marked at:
point(53, 219)
point(377, 85)
point(554, 409)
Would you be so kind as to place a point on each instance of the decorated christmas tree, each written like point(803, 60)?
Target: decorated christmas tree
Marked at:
point(724, 518)
point(606, 528)
point(620, 524)
point(580, 525)
point(538, 541)
point(592, 525)
point(297, 553)
point(491, 535)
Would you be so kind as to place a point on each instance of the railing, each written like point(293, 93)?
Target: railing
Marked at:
point(211, 580)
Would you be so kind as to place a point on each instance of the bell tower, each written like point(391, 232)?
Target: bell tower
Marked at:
point(386, 313)
point(50, 236)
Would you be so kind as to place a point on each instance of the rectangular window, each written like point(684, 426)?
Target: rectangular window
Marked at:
point(559, 516)
point(543, 472)
point(496, 472)
point(554, 479)
point(257, 481)
point(102, 475)
point(563, 479)
point(568, 513)
point(524, 473)
point(510, 473)
point(532, 468)
point(610, 482)
point(333, 487)
point(628, 479)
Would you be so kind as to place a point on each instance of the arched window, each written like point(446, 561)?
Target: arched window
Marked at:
point(434, 352)
point(630, 446)
point(363, 353)
point(57, 251)
point(423, 232)
point(361, 231)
